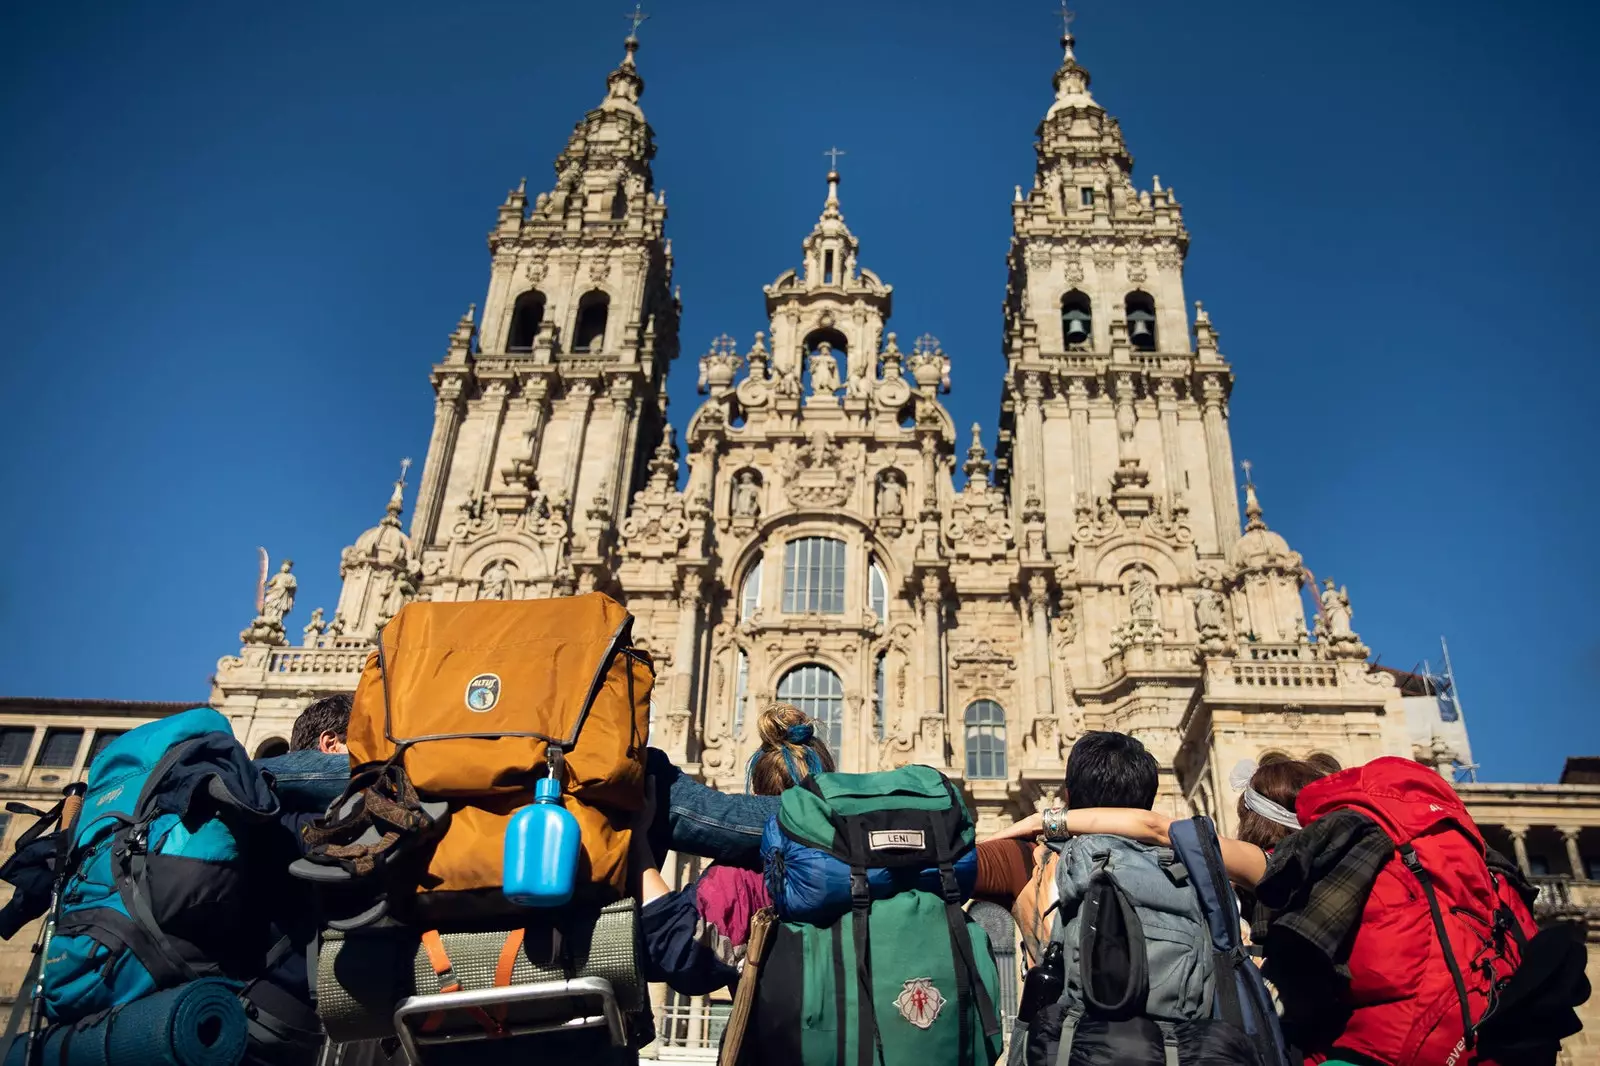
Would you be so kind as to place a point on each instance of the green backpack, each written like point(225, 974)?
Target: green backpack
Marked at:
point(873, 960)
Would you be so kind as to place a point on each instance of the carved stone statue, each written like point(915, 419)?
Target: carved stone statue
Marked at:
point(277, 598)
point(1210, 619)
point(817, 452)
point(496, 582)
point(824, 370)
point(746, 496)
point(787, 383)
point(1336, 609)
point(1142, 599)
point(858, 386)
point(891, 498)
point(314, 628)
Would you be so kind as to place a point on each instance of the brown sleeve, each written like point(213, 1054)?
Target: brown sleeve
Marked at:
point(1004, 868)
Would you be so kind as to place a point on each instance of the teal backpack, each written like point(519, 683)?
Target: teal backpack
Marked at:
point(873, 960)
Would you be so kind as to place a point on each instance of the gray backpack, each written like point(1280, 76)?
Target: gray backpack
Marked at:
point(1135, 946)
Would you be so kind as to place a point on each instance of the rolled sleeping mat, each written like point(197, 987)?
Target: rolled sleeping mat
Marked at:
point(362, 975)
point(201, 1023)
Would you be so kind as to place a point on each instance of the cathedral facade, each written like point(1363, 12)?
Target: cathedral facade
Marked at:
point(819, 531)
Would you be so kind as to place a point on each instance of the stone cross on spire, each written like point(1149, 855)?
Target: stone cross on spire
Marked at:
point(833, 155)
point(1067, 17)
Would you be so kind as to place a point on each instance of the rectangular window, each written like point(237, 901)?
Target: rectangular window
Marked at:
point(60, 748)
point(1086, 197)
point(102, 740)
point(813, 576)
point(827, 268)
point(14, 744)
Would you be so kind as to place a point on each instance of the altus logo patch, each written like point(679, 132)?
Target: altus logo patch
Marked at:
point(483, 692)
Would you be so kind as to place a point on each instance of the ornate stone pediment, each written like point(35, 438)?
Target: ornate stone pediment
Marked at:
point(979, 664)
point(978, 526)
point(1103, 521)
point(658, 522)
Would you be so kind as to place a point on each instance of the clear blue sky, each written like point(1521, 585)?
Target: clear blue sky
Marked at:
point(236, 236)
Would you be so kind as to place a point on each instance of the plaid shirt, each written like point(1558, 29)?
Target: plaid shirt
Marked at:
point(1316, 887)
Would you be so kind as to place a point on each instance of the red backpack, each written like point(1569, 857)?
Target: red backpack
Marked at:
point(1441, 933)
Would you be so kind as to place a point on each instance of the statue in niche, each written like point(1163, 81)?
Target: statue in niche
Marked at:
point(746, 496)
point(1209, 617)
point(824, 371)
point(1336, 610)
point(1142, 607)
point(277, 596)
point(496, 582)
point(891, 498)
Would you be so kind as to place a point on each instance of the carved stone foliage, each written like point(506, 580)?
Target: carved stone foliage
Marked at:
point(658, 523)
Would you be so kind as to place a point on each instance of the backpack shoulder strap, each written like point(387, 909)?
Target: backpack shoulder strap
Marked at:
point(1408, 855)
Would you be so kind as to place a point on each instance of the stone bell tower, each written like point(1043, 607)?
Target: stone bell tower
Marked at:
point(542, 428)
point(1169, 622)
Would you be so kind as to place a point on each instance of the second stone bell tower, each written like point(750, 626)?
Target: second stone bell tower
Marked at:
point(545, 418)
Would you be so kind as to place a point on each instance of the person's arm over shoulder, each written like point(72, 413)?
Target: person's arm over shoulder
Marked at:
point(1004, 866)
point(1246, 864)
point(698, 820)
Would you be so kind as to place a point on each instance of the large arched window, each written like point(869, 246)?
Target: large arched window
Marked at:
point(1141, 310)
point(878, 593)
point(750, 593)
point(741, 694)
point(986, 741)
point(527, 314)
point(590, 334)
point(1077, 326)
point(880, 697)
point(813, 576)
point(816, 690)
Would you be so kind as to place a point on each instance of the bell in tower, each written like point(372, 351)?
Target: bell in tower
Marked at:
point(1141, 321)
point(1077, 327)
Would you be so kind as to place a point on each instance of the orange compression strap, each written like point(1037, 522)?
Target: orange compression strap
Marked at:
point(439, 959)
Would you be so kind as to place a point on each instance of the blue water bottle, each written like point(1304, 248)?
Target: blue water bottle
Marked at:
point(541, 850)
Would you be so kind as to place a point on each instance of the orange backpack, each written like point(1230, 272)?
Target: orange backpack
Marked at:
point(470, 704)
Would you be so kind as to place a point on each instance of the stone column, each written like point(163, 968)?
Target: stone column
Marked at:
point(1570, 833)
point(1219, 458)
point(441, 449)
point(494, 402)
point(624, 436)
point(1043, 688)
point(1032, 443)
point(1082, 476)
point(582, 393)
point(931, 666)
point(1519, 845)
point(680, 710)
point(1167, 408)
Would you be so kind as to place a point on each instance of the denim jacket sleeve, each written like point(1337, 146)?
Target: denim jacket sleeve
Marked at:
point(307, 780)
point(698, 820)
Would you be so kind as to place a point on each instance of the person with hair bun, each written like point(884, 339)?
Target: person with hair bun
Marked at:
point(695, 938)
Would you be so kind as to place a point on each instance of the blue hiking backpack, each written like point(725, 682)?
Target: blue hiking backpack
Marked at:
point(1241, 997)
point(167, 880)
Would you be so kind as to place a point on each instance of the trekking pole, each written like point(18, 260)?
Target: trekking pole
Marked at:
point(70, 806)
